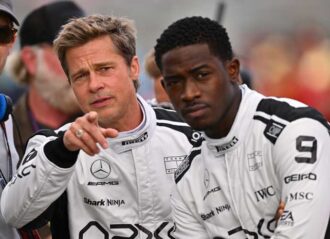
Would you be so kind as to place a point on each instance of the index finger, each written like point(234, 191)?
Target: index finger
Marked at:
point(96, 135)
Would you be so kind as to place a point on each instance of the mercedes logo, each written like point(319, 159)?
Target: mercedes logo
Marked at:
point(100, 169)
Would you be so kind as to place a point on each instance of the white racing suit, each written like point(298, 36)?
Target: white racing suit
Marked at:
point(122, 192)
point(277, 150)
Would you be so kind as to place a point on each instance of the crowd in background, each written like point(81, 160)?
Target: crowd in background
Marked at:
point(295, 65)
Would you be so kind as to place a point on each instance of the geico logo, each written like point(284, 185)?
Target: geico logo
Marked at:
point(93, 229)
point(300, 177)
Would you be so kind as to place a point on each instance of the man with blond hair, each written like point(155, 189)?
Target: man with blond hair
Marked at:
point(110, 172)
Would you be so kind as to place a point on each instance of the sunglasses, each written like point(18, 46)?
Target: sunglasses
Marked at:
point(7, 34)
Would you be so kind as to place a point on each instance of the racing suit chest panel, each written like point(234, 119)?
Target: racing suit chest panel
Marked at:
point(131, 187)
point(253, 185)
point(240, 182)
point(237, 187)
point(102, 185)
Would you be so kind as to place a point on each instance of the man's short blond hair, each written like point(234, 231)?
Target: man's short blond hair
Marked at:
point(79, 31)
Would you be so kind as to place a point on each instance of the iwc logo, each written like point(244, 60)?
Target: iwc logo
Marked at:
point(100, 169)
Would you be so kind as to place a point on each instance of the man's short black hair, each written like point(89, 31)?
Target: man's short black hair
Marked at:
point(194, 30)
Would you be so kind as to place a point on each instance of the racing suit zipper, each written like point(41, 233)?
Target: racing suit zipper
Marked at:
point(230, 188)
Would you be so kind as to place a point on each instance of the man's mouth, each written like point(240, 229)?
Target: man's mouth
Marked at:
point(194, 111)
point(101, 102)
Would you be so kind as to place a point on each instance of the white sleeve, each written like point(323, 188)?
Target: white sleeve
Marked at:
point(302, 162)
point(186, 225)
point(10, 134)
point(38, 181)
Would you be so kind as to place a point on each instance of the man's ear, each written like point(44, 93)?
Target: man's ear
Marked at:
point(233, 70)
point(29, 59)
point(134, 68)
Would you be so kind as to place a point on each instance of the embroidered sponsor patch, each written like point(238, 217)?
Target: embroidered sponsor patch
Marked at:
point(224, 147)
point(100, 169)
point(255, 160)
point(182, 168)
point(172, 163)
point(139, 139)
point(274, 129)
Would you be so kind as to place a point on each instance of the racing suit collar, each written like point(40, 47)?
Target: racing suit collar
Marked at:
point(140, 135)
point(240, 126)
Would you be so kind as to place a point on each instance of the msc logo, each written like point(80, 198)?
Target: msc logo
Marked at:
point(300, 177)
point(301, 196)
point(100, 169)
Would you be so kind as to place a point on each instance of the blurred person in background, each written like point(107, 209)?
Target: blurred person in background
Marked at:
point(8, 154)
point(49, 101)
point(313, 68)
point(272, 61)
point(293, 66)
point(161, 97)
